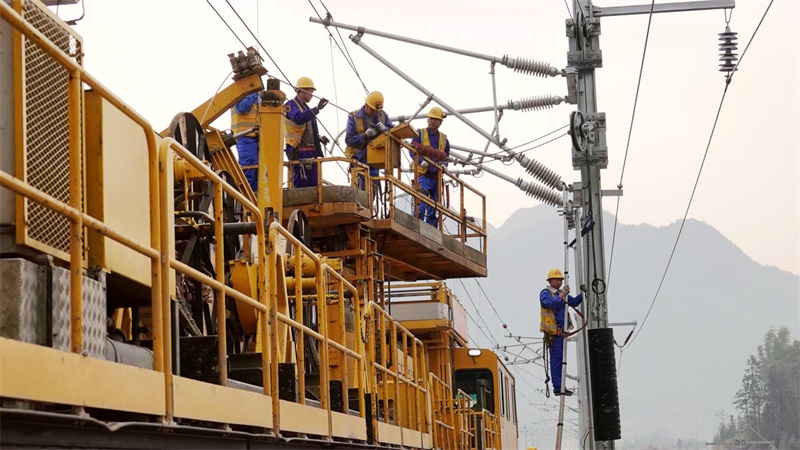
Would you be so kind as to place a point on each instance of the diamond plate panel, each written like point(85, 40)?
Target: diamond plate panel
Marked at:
point(94, 314)
point(94, 317)
point(22, 301)
point(62, 339)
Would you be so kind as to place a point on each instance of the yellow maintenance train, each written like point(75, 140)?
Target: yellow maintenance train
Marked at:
point(151, 299)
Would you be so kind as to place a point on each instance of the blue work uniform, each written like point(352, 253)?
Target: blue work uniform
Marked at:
point(429, 181)
point(357, 139)
point(551, 300)
point(305, 144)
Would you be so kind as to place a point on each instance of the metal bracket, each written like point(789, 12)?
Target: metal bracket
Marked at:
point(572, 85)
point(585, 59)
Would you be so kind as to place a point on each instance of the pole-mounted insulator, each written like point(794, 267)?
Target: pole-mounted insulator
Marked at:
point(531, 67)
point(534, 103)
point(542, 193)
point(727, 47)
point(539, 171)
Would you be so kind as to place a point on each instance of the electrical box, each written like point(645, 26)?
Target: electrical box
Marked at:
point(384, 151)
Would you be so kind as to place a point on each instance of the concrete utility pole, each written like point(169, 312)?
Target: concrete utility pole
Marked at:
point(599, 404)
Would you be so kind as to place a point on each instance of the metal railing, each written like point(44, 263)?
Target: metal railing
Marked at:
point(485, 429)
point(160, 250)
point(398, 370)
point(393, 191)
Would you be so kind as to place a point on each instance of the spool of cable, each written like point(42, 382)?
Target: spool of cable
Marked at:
point(603, 372)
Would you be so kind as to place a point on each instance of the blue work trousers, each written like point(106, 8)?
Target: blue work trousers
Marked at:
point(556, 358)
point(247, 148)
point(429, 186)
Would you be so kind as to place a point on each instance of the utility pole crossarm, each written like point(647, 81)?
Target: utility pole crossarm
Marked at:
point(523, 65)
point(629, 10)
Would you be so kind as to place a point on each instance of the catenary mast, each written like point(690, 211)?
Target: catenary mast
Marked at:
point(600, 418)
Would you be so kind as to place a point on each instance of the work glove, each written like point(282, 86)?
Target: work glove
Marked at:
point(322, 103)
point(371, 132)
point(380, 126)
point(324, 140)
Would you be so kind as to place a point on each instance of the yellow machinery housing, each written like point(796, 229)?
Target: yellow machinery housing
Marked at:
point(157, 301)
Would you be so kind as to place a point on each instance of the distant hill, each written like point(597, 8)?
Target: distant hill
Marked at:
point(713, 310)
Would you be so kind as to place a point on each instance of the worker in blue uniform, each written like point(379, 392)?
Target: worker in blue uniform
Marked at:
point(302, 138)
point(553, 299)
point(434, 145)
point(244, 117)
point(364, 125)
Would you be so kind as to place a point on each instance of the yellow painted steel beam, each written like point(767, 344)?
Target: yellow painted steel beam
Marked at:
point(220, 103)
point(222, 158)
point(205, 401)
point(27, 372)
point(270, 152)
point(76, 253)
point(219, 297)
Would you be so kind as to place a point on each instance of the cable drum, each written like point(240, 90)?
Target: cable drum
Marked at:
point(605, 397)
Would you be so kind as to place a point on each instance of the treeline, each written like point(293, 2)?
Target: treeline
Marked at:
point(769, 399)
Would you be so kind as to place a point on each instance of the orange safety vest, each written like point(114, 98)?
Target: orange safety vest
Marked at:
point(241, 122)
point(294, 132)
point(548, 322)
point(361, 127)
point(426, 139)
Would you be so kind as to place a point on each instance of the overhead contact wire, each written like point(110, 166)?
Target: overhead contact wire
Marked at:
point(697, 180)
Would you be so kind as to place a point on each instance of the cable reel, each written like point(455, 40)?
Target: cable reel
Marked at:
point(577, 130)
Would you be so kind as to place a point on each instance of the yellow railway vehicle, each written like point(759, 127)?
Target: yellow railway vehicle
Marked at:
point(481, 375)
point(150, 298)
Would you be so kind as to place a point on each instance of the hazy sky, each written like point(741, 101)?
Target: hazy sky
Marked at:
point(163, 57)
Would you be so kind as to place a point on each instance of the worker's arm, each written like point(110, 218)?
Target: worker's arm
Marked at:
point(352, 138)
point(300, 117)
point(246, 103)
point(575, 301)
point(549, 300)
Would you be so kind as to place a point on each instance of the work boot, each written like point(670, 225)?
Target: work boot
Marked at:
point(567, 392)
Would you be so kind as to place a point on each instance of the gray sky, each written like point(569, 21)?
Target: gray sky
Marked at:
point(168, 56)
point(164, 57)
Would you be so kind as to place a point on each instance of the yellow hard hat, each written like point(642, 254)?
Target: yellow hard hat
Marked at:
point(305, 83)
point(555, 273)
point(436, 113)
point(374, 100)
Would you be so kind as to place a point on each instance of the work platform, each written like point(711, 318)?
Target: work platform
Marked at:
point(415, 249)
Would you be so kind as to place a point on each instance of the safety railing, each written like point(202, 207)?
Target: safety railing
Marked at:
point(485, 429)
point(393, 191)
point(171, 152)
point(462, 414)
point(398, 371)
point(418, 295)
point(160, 250)
point(316, 281)
point(443, 413)
point(452, 203)
point(73, 211)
